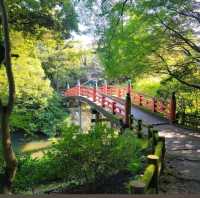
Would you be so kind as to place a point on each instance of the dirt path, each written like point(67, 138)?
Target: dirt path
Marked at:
point(182, 172)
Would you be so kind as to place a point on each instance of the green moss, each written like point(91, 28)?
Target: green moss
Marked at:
point(158, 149)
point(148, 174)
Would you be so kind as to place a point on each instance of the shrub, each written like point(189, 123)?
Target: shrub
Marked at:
point(39, 117)
point(82, 157)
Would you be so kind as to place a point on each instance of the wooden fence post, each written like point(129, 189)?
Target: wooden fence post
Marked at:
point(153, 159)
point(121, 126)
point(173, 108)
point(127, 110)
point(155, 135)
point(131, 121)
point(139, 128)
point(162, 139)
point(150, 127)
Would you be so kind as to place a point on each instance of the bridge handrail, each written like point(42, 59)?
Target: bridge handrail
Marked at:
point(100, 95)
point(152, 103)
point(97, 96)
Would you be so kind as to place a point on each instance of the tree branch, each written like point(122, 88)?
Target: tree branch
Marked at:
point(180, 36)
point(196, 86)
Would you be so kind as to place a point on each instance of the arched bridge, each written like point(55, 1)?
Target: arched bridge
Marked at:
point(120, 104)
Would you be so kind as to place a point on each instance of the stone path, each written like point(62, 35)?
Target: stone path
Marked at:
point(182, 172)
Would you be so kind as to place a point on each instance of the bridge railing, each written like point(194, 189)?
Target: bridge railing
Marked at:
point(165, 107)
point(98, 96)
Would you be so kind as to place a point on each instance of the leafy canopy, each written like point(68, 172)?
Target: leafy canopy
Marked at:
point(37, 16)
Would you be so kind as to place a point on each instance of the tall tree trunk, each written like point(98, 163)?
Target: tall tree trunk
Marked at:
point(5, 111)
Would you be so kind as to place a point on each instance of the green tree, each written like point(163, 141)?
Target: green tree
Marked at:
point(62, 62)
point(142, 36)
point(33, 16)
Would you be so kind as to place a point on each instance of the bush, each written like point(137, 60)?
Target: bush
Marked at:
point(39, 117)
point(82, 157)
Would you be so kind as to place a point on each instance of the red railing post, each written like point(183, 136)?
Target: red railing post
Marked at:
point(154, 104)
point(140, 99)
point(113, 107)
point(94, 94)
point(173, 108)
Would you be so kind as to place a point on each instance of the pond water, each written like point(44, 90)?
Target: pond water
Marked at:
point(36, 146)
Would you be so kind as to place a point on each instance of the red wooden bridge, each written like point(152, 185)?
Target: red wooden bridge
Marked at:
point(116, 100)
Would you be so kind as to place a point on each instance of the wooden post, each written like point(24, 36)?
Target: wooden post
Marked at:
point(137, 187)
point(97, 116)
point(139, 128)
point(127, 110)
point(121, 126)
point(162, 139)
point(153, 159)
point(173, 108)
point(150, 127)
point(131, 121)
point(154, 143)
